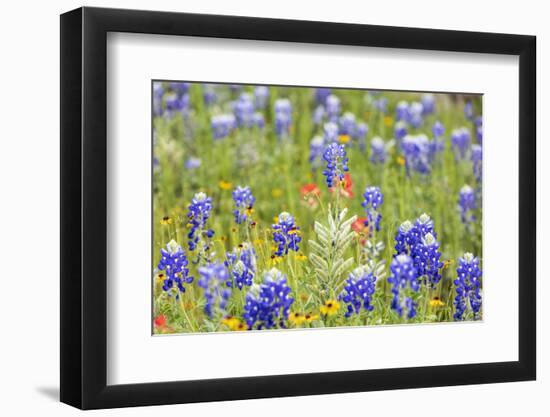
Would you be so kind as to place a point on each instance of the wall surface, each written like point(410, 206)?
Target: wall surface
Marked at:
point(29, 220)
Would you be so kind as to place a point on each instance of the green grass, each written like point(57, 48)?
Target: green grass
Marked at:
point(275, 170)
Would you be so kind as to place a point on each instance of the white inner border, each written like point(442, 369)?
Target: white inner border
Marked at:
point(134, 356)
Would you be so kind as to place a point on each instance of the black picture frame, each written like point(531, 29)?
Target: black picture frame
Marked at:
point(84, 207)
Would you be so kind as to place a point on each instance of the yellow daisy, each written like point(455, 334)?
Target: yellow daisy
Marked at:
point(330, 307)
point(400, 160)
point(388, 121)
point(166, 220)
point(225, 185)
point(344, 138)
point(296, 318)
point(309, 317)
point(436, 302)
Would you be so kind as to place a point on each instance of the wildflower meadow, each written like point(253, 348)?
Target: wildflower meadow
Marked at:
point(281, 207)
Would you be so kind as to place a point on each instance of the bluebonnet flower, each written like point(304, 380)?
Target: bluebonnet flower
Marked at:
point(209, 94)
point(427, 259)
point(318, 115)
point(180, 88)
point(403, 277)
point(428, 103)
point(261, 96)
point(469, 110)
point(409, 234)
point(223, 125)
point(192, 163)
point(466, 204)
point(244, 202)
point(174, 263)
point(381, 104)
point(175, 103)
point(158, 93)
point(479, 129)
point(243, 109)
point(360, 135)
point(336, 159)
point(213, 278)
point(286, 234)
point(332, 107)
point(241, 263)
point(198, 214)
point(347, 124)
point(373, 200)
point(268, 304)
point(316, 148)
point(477, 161)
point(283, 116)
point(321, 95)
point(402, 111)
point(460, 141)
point(235, 88)
point(468, 287)
point(404, 239)
point(436, 147)
point(358, 291)
point(438, 129)
point(258, 120)
point(330, 133)
point(415, 117)
point(400, 130)
point(378, 151)
point(416, 151)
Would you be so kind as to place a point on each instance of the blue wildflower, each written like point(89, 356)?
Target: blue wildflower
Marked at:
point(258, 120)
point(360, 135)
point(244, 202)
point(316, 148)
point(192, 163)
point(209, 94)
point(438, 129)
point(267, 305)
point(321, 95)
point(404, 279)
point(373, 200)
point(241, 262)
point(174, 263)
point(469, 110)
point(336, 159)
point(477, 161)
point(428, 103)
point(318, 115)
point(466, 204)
point(400, 130)
point(158, 93)
point(416, 151)
point(378, 151)
point(347, 124)
point(213, 278)
point(381, 104)
point(330, 133)
point(427, 259)
point(402, 111)
point(198, 214)
point(468, 287)
point(286, 234)
point(180, 88)
point(358, 291)
point(243, 109)
point(415, 114)
point(283, 117)
point(175, 103)
point(261, 96)
point(223, 125)
point(332, 106)
point(460, 141)
point(409, 234)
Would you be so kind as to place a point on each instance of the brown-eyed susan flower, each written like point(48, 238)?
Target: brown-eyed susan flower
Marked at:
point(330, 307)
point(300, 257)
point(309, 317)
point(388, 121)
point(275, 260)
point(276, 192)
point(400, 160)
point(436, 302)
point(166, 220)
point(233, 323)
point(160, 277)
point(448, 263)
point(296, 318)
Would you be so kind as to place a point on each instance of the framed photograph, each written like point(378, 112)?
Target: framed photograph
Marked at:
point(258, 208)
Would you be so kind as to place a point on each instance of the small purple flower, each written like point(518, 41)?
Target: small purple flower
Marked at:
point(416, 151)
point(192, 163)
point(426, 256)
point(244, 203)
point(286, 234)
point(438, 129)
point(261, 96)
point(316, 149)
point(469, 110)
point(347, 124)
point(213, 278)
point(209, 94)
point(199, 212)
point(477, 161)
point(381, 104)
point(283, 117)
point(174, 262)
point(415, 117)
point(336, 163)
point(402, 111)
point(468, 287)
point(222, 125)
point(428, 103)
point(404, 279)
point(378, 151)
point(241, 263)
point(330, 133)
point(358, 291)
point(360, 135)
point(258, 120)
point(244, 110)
point(467, 204)
point(268, 305)
point(460, 141)
point(318, 115)
point(332, 106)
point(321, 95)
point(400, 130)
point(373, 200)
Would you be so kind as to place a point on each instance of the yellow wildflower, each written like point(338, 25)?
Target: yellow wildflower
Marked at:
point(388, 121)
point(296, 318)
point(436, 302)
point(448, 263)
point(344, 138)
point(234, 323)
point(309, 317)
point(275, 260)
point(224, 185)
point(300, 257)
point(276, 192)
point(166, 220)
point(401, 160)
point(330, 307)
